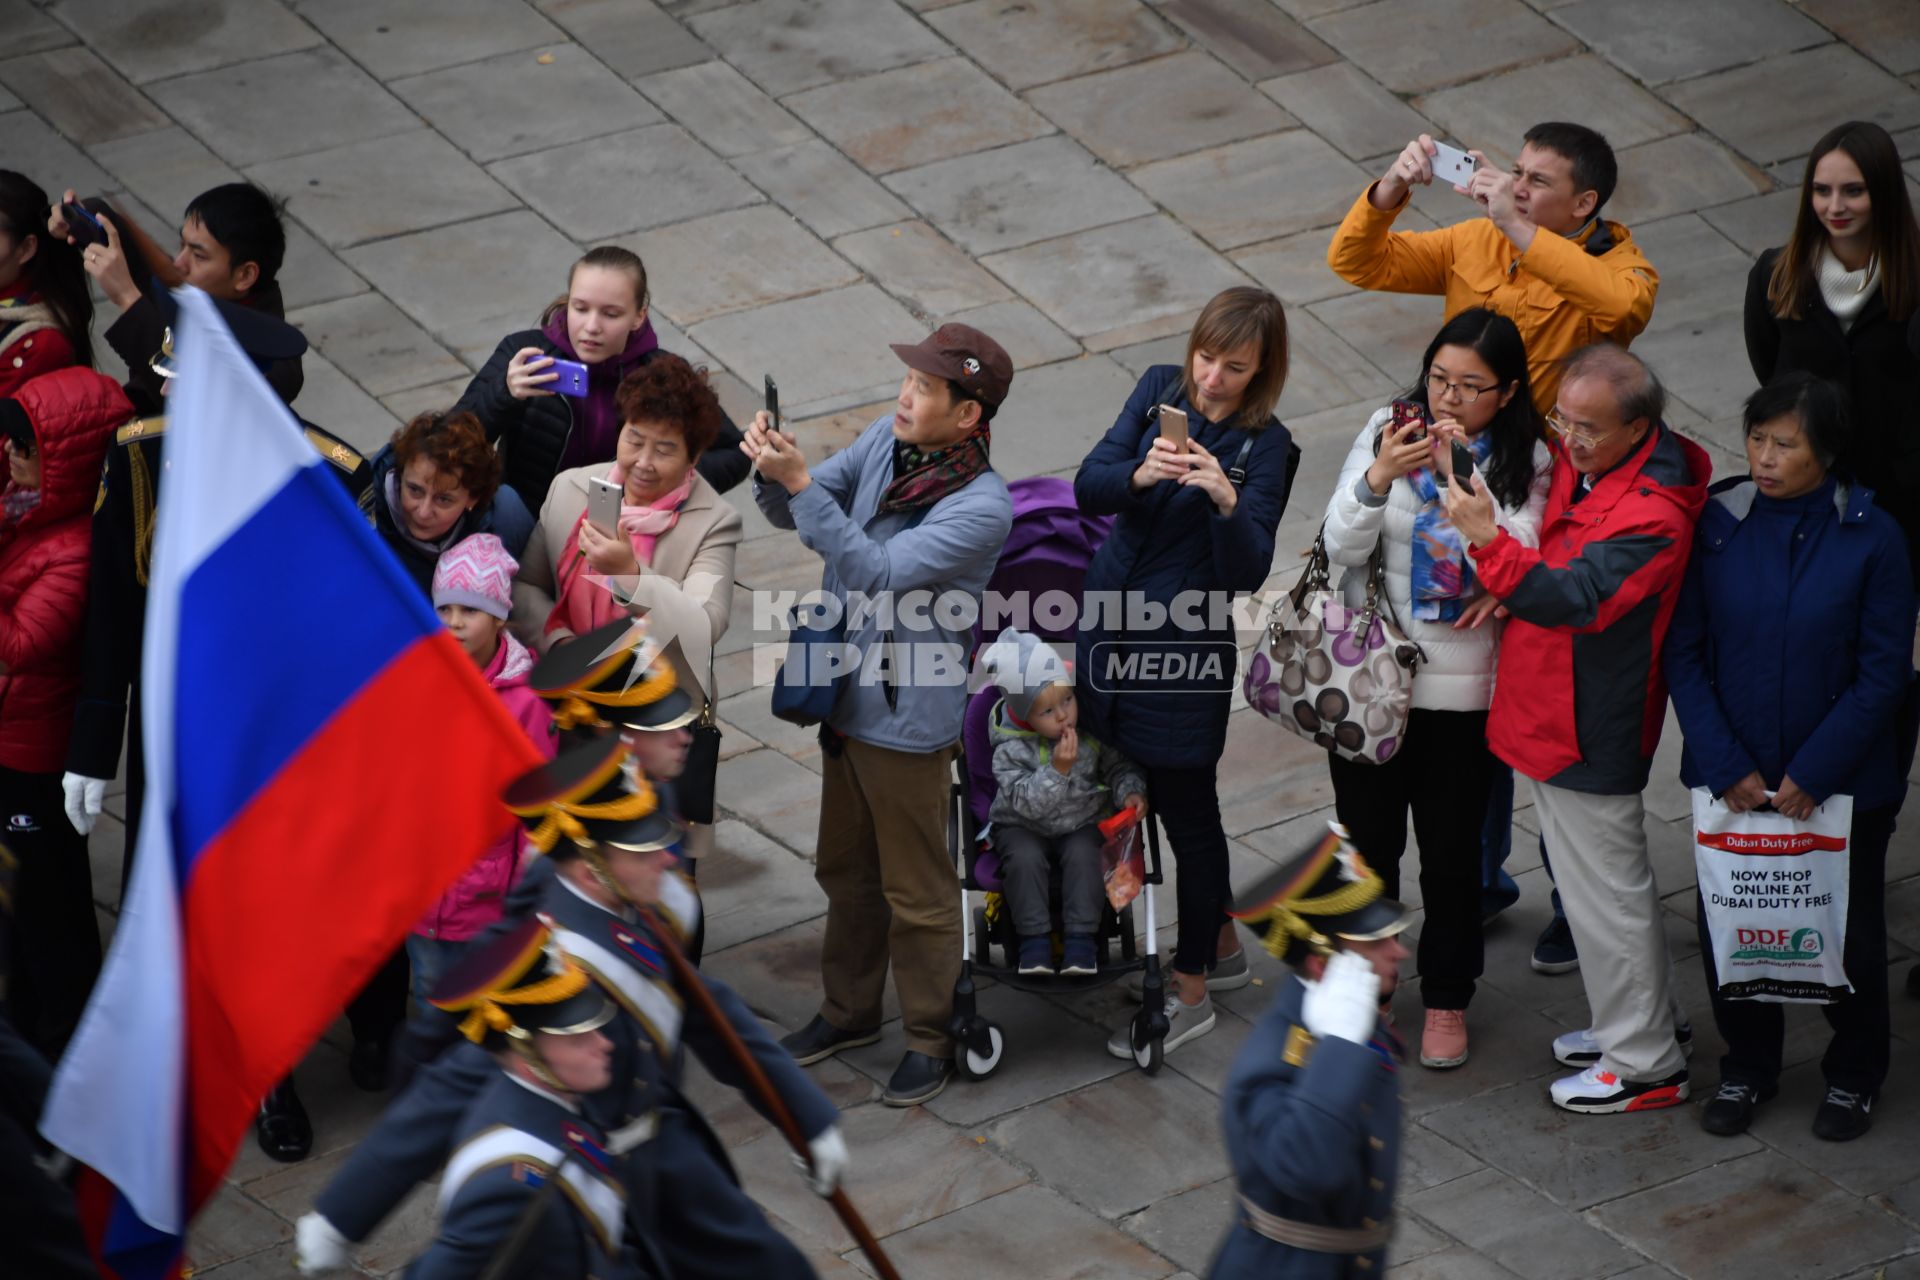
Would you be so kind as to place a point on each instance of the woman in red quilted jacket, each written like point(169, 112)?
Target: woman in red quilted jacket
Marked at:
point(54, 432)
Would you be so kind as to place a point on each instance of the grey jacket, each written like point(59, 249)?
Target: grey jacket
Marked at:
point(953, 549)
point(1038, 797)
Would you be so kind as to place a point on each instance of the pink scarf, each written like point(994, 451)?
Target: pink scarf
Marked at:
point(584, 603)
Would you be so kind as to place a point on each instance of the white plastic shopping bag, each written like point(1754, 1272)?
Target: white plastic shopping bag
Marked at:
point(1775, 893)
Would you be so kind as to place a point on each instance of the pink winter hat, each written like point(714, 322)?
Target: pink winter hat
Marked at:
point(478, 573)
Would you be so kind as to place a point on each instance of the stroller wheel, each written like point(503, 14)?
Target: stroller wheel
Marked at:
point(981, 1050)
point(1148, 1059)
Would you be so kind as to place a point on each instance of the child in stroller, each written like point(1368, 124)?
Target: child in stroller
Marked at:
point(1053, 789)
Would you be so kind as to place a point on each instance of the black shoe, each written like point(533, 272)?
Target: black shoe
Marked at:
point(1844, 1115)
point(820, 1039)
point(282, 1127)
point(1730, 1110)
point(917, 1079)
point(1554, 952)
point(368, 1065)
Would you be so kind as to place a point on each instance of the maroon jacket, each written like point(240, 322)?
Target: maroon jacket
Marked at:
point(43, 565)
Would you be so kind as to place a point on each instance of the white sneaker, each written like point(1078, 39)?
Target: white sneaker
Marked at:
point(1580, 1049)
point(1598, 1092)
point(1184, 1022)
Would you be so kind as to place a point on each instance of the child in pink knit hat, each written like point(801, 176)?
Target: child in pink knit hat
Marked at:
point(473, 593)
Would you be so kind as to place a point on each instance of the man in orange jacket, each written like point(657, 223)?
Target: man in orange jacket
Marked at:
point(1542, 255)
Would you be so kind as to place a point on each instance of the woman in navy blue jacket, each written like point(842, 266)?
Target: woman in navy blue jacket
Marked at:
point(1789, 659)
point(1195, 528)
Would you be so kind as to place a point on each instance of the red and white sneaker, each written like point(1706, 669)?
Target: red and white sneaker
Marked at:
point(1599, 1092)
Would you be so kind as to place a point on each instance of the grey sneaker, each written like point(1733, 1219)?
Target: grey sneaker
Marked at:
point(1185, 1022)
point(1230, 973)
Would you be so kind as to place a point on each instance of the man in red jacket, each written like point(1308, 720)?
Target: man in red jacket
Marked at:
point(1579, 700)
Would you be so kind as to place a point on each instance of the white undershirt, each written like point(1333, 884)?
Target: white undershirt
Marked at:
point(1845, 292)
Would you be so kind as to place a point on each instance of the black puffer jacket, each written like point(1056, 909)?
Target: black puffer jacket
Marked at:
point(533, 433)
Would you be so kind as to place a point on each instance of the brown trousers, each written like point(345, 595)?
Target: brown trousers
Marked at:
point(892, 890)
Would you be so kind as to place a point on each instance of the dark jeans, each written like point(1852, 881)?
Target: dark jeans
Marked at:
point(54, 944)
point(1856, 1057)
point(1187, 802)
point(1443, 772)
point(1026, 872)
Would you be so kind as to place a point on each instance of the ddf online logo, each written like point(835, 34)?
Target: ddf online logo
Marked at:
point(1777, 944)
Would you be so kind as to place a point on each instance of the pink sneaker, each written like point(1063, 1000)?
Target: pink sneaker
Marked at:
point(1443, 1041)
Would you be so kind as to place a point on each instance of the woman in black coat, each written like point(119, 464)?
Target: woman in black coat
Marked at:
point(1189, 534)
point(600, 322)
point(1841, 299)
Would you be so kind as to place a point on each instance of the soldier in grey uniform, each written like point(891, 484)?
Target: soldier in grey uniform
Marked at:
point(1312, 1107)
point(683, 1197)
point(535, 1187)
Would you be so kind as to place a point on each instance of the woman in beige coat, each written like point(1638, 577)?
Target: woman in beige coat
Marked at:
point(671, 557)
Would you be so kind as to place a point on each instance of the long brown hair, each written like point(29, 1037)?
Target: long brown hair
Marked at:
point(1896, 239)
point(605, 255)
point(1244, 316)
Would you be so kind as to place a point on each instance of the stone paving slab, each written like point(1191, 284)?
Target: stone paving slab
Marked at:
point(1167, 107)
point(1028, 1230)
point(1749, 107)
point(240, 110)
point(383, 187)
point(633, 37)
point(1710, 1224)
point(1657, 43)
point(147, 40)
point(1342, 105)
point(1012, 196)
point(1024, 44)
point(922, 268)
point(528, 100)
point(1505, 1221)
point(724, 109)
point(822, 188)
point(424, 35)
point(1119, 1145)
point(1884, 30)
point(1497, 110)
point(81, 96)
point(1250, 36)
point(1242, 193)
point(1412, 46)
point(672, 178)
point(820, 347)
point(736, 260)
point(369, 340)
point(29, 30)
point(917, 116)
point(788, 45)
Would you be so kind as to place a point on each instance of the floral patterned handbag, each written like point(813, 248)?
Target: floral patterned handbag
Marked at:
point(1338, 676)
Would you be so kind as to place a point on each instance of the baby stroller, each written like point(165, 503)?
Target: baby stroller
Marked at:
point(1048, 549)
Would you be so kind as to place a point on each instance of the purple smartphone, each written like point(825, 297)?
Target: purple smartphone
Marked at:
point(571, 379)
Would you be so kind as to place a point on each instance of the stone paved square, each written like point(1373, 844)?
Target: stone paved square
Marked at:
point(811, 180)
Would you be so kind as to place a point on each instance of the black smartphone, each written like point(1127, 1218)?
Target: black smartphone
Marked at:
point(82, 225)
point(1463, 465)
point(773, 402)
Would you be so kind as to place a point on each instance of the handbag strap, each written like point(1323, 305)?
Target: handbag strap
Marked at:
point(1379, 597)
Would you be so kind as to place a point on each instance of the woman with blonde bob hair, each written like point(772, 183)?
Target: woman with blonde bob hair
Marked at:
point(1197, 514)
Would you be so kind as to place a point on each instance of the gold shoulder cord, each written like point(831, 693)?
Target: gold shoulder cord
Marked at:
point(143, 512)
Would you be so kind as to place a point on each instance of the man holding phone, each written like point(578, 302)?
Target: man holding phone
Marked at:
point(913, 505)
point(232, 241)
point(1541, 255)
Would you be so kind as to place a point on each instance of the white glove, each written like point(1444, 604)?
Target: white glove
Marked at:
point(317, 1246)
point(1345, 1003)
point(827, 1160)
point(85, 797)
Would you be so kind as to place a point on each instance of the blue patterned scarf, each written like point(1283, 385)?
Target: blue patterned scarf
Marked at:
point(1442, 573)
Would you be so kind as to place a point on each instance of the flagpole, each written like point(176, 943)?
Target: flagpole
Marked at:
point(757, 1081)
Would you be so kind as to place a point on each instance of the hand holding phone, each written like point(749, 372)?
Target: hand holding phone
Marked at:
point(603, 505)
point(570, 378)
point(1406, 412)
point(1173, 426)
point(1463, 465)
point(82, 227)
point(773, 402)
point(1451, 164)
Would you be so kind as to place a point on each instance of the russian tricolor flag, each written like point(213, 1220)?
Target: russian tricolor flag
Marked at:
point(323, 761)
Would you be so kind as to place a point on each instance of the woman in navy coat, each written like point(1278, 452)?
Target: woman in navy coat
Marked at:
point(1195, 528)
point(1790, 661)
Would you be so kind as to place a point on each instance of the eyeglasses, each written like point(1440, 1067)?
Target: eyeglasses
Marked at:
point(1585, 437)
point(1467, 392)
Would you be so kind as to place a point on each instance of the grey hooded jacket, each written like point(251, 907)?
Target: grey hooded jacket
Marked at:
point(1037, 797)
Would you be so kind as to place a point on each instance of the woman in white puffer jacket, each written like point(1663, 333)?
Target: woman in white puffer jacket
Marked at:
point(1472, 388)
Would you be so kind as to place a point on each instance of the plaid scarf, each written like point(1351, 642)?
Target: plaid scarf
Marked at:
point(921, 478)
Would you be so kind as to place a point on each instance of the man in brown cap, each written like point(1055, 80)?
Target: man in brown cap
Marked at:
point(914, 511)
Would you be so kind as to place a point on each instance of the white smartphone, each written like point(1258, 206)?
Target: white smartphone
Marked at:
point(1451, 164)
point(603, 505)
point(1173, 426)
